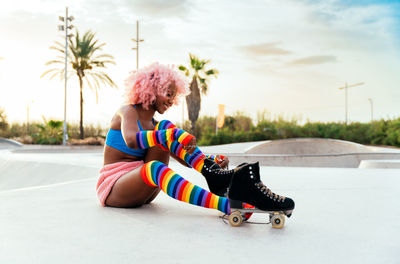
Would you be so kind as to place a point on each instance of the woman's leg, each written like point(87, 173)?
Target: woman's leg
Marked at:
point(217, 179)
point(130, 190)
point(157, 174)
point(143, 184)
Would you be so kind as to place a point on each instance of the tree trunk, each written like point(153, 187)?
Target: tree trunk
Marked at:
point(81, 109)
point(193, 101)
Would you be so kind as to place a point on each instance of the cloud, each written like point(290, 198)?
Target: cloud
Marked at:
point(313, 60)
point(264, 49)
point(159, 8)
point(322, 17)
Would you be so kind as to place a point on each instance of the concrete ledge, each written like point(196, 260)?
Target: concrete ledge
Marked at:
point(58, 149)
point(382, 164)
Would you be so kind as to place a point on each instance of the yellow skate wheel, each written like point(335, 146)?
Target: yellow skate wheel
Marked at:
point(235, 219)
point(277, 220)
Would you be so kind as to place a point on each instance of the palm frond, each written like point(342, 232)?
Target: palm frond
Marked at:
point(105, 79)
point(94, 48)
point(214, 72)
point(185, 70)
point(203, 85)
point(48, 71)
point(96, 89)
point(101, 64)
point(202, 64)
point(53, 62)
point(88, 82)
point(108, 56)
point(59, 45)
point(193, 61)
point(57, 48)
point(55, 74)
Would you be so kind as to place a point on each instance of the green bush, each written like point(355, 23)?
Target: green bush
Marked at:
point(50, 132)
point(393, 133)
point(380, 132)
point(237, 128)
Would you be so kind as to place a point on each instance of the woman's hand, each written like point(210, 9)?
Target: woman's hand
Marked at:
point(223, 162)
point(191, 146)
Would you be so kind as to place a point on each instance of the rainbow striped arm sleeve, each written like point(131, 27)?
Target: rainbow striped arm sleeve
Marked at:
point(214, 157)
point(148, 139)
point(164, 124)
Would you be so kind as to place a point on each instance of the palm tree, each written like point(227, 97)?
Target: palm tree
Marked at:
point(200, 77)
point(85, 64)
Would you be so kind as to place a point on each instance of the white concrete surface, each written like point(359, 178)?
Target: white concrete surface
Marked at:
point(342, 216)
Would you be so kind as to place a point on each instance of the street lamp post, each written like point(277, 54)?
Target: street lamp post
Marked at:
point(137, 40)
point(27, 116)
point(346, 87)
point(27, 119)
point(67, 25)
point(372, 109)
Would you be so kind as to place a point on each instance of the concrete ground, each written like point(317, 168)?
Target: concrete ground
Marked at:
point(49, 213)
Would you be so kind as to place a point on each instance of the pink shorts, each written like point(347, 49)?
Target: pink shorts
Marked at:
point(110, 173)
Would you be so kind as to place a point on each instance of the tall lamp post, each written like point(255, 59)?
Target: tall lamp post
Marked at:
point(372, 109)
point(27, 116)
point(137, 40)
point(67, 25)
point(346, 87)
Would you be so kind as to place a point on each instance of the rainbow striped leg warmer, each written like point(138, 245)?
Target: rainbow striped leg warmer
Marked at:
point(195, 160)
point(157, 174)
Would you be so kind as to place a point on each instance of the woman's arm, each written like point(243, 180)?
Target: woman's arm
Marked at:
point(181, 161)
point(136, 139)
point(129, 126)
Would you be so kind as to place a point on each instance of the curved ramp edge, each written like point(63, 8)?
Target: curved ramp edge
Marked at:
point(296, 146)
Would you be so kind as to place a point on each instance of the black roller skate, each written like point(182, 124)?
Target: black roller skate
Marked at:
point(246, 187)
point(217, 178)
point(218, 181)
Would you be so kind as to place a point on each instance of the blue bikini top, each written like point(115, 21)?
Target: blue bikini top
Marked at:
point(115, 140)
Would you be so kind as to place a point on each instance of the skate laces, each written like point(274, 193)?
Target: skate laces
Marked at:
point(217, 169)
point(269, 193)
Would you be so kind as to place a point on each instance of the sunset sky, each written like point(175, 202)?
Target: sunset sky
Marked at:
point(286, 57)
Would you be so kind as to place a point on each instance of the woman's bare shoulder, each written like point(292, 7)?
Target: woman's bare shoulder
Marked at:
point(124, 113)
point(127, 111)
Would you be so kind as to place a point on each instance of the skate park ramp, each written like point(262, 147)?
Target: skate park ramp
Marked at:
point(49, 213)
point(9, 144)
point(315, 146)
point(314, 152)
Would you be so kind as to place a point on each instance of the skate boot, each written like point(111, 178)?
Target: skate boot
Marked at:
point(217, 178)
point(247, 187)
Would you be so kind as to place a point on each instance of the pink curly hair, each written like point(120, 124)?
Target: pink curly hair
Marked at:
point(144, 85)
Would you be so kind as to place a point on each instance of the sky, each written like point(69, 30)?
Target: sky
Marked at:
point(285, 58)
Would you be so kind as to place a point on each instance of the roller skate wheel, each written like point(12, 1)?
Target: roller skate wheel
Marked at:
point(235, 219)
point(277, 220)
